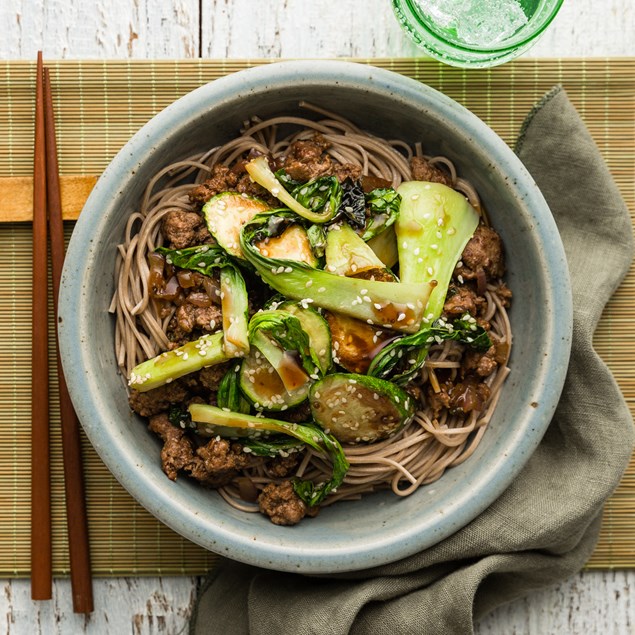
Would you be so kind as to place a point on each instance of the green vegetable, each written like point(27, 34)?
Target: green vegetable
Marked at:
point(233, 292)
point(323, 195)
point(164, 368)
point(262, 385)
point(229, 394)
point(401, 359)
point(261, 173)
point(315, 326)
point(434, 225)
point(359, 408)
point(272, 446)
point(226, 213)
point(276, 376)
point(347, 254)
point(385, 247)
point(394, 305)
point(384, 208)
point(285, 330)
point(208, 418)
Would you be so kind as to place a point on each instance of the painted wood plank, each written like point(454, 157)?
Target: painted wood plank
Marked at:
point(349, 28)
point(99, 29)
point(141, 606)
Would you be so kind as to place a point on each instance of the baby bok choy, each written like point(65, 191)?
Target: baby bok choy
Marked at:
point(316, 201)
point(209, 419)
point(434, 225)
point(166, 367)
point(288, 352)
point(233, 292)
point(400, 360)
point(391, 304)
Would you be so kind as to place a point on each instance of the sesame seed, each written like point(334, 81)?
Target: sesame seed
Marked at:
point(414, 197)
point(308, 283)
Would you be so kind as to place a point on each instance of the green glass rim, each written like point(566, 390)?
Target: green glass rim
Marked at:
point(475, 49)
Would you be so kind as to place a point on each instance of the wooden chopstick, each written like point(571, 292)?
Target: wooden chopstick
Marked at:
point(78, 544)
point(41, 568)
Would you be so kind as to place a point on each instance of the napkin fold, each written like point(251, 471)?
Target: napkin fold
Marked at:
point(544, 527)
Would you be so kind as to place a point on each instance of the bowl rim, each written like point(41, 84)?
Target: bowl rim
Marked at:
point(73, 309)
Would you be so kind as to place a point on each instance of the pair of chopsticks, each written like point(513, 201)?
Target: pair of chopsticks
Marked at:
point(47, 216)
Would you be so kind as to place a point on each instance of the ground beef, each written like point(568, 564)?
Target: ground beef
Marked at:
point(246, 186)
point(483, 364)
point(283, 466)
point(459, 398)
point(221, 179)
point(483, 252)
point(184, 229)
point(210, 376)
point(423, 170)
point(504, 293)
point(214, 464)
point(177, 452)
point(281, 504)
point(189, 317)
point(307, 160)
point(218, 462)
point(224, 179)
point(345, 171)
point(462, 299)
point(158, 399)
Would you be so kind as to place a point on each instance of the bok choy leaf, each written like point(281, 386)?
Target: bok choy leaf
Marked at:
point(389, 304)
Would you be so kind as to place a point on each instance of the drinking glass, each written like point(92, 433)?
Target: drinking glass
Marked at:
point(475, 33)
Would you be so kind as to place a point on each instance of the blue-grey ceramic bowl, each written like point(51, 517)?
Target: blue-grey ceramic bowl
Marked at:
point(380, 528)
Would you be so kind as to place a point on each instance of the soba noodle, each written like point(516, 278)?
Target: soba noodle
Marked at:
point(424, 449)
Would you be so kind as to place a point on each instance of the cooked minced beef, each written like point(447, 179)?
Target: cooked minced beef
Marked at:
point(283, 466)
point(459, 398)
point(485, 363)
point(483, 252)
point(423, 170)
point(462, 299)
point(281, 504)
point(177, 452)
point(307, 160)
point(157, 400)
point(214, 464)
point(184, 229)
point(218, 462)
point(224, 179)
point(189, 317)
point(210, 376)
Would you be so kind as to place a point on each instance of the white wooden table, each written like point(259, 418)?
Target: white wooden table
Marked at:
point(591, 602)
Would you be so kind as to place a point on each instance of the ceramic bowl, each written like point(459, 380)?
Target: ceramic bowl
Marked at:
point(381, 527)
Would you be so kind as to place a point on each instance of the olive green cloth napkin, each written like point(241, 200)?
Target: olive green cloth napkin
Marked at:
point(545, 525)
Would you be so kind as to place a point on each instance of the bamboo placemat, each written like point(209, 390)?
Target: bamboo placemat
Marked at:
point(100, 105)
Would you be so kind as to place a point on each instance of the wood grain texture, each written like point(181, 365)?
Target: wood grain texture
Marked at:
point(99, 28)
point(591, 602)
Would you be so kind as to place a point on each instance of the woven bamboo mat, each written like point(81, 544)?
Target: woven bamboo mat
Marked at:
point(100, 105)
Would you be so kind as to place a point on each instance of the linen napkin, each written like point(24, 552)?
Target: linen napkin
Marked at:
point(545, 525)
